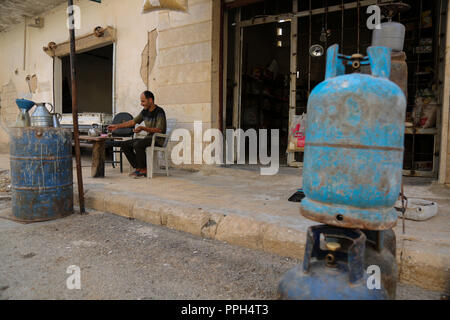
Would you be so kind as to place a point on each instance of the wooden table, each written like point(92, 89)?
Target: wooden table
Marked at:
point(98, 154)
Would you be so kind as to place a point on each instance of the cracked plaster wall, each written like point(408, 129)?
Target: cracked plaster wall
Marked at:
point(181, 76)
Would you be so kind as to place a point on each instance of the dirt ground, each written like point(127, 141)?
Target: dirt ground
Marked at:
point(128, 259)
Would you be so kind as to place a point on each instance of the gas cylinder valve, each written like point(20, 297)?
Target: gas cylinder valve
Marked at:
point(330, 258)
point(357, 58)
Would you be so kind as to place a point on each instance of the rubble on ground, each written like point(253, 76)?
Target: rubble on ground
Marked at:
point(5, 181)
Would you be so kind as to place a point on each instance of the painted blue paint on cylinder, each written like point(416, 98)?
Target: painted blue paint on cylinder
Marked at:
point(41, 173)
point(333, 275)
point(324, 283)
point(354, 145)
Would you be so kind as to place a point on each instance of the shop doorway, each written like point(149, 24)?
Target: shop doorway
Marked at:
point(94, 79)
point(324, 23)
point(265, 80)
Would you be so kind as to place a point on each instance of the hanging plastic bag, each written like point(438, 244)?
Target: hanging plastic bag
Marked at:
point(428, 118)
point(297, 134)
point(152, 5)
point(425, 112)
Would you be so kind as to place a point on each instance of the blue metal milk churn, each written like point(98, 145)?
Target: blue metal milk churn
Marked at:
point(41, 173)
point(354, 144)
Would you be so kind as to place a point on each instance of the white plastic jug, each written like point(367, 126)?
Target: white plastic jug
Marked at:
point(391, 35)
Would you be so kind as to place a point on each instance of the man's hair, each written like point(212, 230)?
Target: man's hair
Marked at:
point(148, 95)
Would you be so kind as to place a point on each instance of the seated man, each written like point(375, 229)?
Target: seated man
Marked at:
point(154, 119)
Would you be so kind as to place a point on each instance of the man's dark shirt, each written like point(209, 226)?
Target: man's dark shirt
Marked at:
point(152, 119)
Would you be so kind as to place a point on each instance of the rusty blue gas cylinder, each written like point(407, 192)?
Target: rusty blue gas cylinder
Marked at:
point(354, 144)
point(41, 173)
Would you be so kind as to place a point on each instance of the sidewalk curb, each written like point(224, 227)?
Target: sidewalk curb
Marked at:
point(231, 228)
point(417, 267)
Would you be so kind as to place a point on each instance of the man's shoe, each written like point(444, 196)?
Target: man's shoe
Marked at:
point(134, 174)
point(140, 175)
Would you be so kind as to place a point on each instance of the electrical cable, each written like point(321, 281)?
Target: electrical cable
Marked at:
point(342, 26)
point(53, 84)
point(359, 27)
point(326, 24)
point(310, 44)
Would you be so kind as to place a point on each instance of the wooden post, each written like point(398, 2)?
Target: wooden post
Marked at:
point(293, 78)
point(98, 159)
point(75, 109)
point(237, 71)
point(224, 72)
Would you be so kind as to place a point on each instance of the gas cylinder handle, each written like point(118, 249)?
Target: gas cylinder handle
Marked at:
point(380, 61)
point(336, 62)
point(334, 66)
point(379, 58)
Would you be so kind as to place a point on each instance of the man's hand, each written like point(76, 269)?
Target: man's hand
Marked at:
point(139, 129)
point(112, 127)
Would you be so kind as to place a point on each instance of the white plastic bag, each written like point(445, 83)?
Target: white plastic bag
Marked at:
point(152, 5)
point(428, 118)
point(418, 209)
point(425, 112)
point(297, 134)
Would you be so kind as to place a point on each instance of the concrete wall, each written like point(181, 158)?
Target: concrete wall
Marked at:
point(181, 78)
point(446, 106)
point(444, 168)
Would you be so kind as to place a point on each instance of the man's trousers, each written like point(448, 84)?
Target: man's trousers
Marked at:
point(134, 150)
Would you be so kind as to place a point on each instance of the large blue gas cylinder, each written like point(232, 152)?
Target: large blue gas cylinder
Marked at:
point(333, 268)
point(354, 144)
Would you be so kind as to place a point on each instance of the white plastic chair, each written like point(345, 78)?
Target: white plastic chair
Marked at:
point(152, 161)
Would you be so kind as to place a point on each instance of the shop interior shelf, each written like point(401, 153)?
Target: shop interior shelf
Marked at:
point(430, 131)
